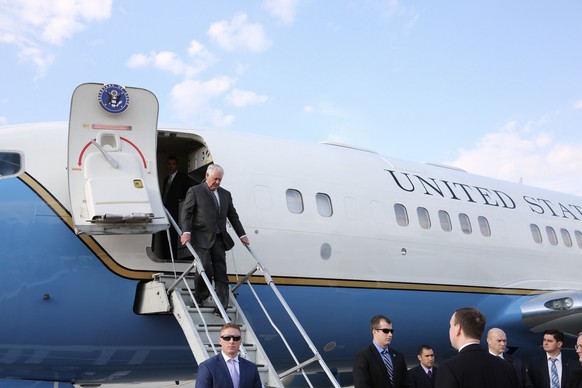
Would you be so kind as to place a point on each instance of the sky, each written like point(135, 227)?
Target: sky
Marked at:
point(493, 87)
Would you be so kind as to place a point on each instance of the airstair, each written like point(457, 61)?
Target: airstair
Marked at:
point(173, 293)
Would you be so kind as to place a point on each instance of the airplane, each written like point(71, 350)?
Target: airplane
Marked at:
point(346, 233)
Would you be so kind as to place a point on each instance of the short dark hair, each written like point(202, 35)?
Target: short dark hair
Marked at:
point(421, 348)
point(472, 322)
point(375, 321)
point(557, 334)
point(172, 157)
point(230, 325)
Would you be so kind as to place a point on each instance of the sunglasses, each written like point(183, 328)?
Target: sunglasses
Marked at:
point(386, 331)
point(227, 338)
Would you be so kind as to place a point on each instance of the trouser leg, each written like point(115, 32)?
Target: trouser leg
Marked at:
point(200, 290)
point(219, 268)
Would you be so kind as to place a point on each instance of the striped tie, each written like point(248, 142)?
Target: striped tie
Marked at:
point(388, 363)
point(554, 374)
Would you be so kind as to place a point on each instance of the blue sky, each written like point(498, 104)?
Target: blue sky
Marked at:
point(494, 87)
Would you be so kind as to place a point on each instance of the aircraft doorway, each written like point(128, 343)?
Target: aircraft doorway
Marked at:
point(189, 157)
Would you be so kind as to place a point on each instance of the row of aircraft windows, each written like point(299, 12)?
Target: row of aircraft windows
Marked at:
point(325, 209)
point(444, 220)
point(553, 236)
point(295, 203)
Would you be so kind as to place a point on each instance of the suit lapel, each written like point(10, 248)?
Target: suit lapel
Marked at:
point(378, 360)
point(242, 370)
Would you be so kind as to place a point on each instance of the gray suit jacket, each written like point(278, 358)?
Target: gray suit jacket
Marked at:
point(201, 218)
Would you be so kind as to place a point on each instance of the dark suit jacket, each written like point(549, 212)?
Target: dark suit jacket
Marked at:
point(214, 373)
point(522, 377)
point(576, 380)
point(176, 193)
point(200, 217)
point(474, 367)
point(419, 379)
point(370, 371)
point(540, 376)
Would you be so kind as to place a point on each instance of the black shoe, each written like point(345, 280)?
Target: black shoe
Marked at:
point(199, 302)
point(216, 312)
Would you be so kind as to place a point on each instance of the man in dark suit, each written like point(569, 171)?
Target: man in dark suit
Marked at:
point(541, 367)
point(424, 374)
point(174, 191)
point(497, 343)
point(576, 380)
point(473, 366)
point(206, 208)
point(379, 365)
point(227, 369)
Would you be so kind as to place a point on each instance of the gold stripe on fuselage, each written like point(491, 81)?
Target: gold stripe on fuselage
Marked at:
point(115, 267)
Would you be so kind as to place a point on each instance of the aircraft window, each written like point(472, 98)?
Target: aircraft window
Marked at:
point(484, 226)
point(323, 202)
point(566, 238)
point(578, 235)
point(552, 235)
point(401, 214)
point(294, 201)
point(11, 164)
point(445, 220)
point(465, 223)
point(423, 217)
point(535, 232)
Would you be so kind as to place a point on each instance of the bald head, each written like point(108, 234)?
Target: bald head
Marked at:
point(497, 341)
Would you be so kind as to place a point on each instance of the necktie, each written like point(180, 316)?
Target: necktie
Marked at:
point(554, 374)
point(430, 374)
point(215, 199)
point(214, 194)
point(167, 188)
point(233, 372)
point(388, 363)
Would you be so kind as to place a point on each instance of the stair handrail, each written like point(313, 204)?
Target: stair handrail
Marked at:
point(197, 263)
point(269, 280)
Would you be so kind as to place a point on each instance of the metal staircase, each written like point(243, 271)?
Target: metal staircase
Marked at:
point(170, 293)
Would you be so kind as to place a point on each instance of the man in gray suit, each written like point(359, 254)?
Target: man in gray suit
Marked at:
point(206, 208)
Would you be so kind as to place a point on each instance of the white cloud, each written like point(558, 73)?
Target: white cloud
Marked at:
point(517, 153)
point(284, 10)
point(138, 60)
point(238, 34)
point(3, 120)
point(190, 101)
point(578, 105)
point(31, 24)
point(242, 98)
point(199, 60)
point(308, 109)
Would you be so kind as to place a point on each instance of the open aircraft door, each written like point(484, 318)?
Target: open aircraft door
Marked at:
point(113, 183)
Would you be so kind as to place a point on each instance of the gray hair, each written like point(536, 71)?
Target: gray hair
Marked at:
point(214, 167)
